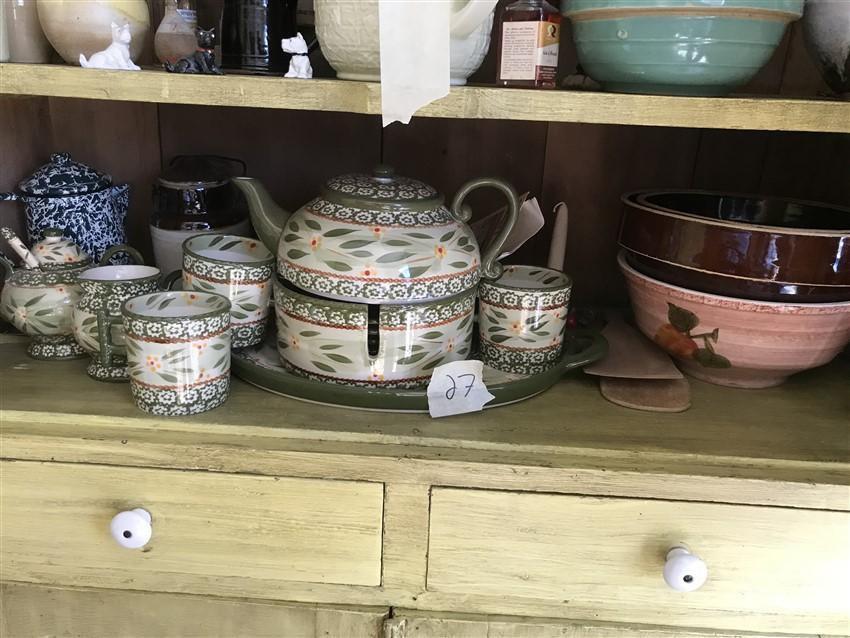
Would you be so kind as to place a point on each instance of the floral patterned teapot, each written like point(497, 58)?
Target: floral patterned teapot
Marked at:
point(379, 238)
point(39, 298)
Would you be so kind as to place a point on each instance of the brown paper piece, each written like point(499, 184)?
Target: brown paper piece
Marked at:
point(651, 395)
point(632, 356)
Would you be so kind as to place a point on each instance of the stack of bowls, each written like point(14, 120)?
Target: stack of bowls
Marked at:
point(743, 291)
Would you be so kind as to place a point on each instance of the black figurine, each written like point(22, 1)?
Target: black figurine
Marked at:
point(200, 61)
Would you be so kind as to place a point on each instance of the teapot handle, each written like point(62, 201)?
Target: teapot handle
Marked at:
point(134, 254)
point(471, 16)
point(9, 197)
point(490, 266)
point(170, 279)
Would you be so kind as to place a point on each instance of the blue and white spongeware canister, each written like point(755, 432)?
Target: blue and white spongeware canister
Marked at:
point(81, 202)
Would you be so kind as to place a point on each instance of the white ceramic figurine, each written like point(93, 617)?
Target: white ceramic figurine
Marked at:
point(299, 66)
point(116, 55)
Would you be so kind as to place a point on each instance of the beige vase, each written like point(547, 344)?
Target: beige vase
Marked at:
point(84, 26)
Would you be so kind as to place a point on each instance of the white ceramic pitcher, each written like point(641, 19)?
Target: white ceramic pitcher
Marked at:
point(349, 35)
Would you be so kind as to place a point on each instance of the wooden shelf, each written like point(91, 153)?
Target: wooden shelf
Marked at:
point(752, 113)
point(794, 436)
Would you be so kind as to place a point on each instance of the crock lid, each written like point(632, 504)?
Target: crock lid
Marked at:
point(62, 176)
point(382, 187)
point(191, 172)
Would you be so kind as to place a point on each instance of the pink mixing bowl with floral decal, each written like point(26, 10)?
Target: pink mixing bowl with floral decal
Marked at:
point(736, 342)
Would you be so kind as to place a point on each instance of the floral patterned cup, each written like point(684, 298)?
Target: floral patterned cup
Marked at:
point(522, 320)
point(178, 351)
point(97, 316)
point(238, 268)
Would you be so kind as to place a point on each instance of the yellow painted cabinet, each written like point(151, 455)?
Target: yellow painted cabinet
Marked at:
point(34, 610)
point(412, 624)
point(231, 535)
point(770, 569)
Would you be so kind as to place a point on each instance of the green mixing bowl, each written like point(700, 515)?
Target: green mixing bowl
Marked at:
point(677, 47)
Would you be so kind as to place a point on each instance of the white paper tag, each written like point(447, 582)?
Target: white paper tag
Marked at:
point(457, 388)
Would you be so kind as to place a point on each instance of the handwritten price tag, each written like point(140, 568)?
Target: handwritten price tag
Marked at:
point(457, 388)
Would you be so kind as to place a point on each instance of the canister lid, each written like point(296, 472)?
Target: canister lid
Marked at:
point(194, 172)
point(62, 176)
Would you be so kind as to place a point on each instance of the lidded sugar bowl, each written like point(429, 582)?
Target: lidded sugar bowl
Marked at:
point(376, 276)
point(39, 298)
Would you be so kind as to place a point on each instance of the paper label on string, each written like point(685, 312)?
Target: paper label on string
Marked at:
point(415, 55)
point(457, 388)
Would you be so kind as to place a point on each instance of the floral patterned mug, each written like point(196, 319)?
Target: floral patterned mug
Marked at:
point(178, 351)
point(97, 316)
point(522, 320)
point(239, 268)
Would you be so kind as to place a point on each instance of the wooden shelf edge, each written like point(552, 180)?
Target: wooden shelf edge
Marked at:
point(742, 113)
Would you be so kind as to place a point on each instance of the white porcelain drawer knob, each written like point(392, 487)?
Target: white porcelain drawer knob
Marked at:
point(684, 571)
point(132, 529)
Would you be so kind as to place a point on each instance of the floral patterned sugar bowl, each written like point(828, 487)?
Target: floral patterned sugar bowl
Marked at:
point(379, 238)
point(39, 299)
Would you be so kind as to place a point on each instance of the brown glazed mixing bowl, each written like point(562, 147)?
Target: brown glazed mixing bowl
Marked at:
point(743, 246)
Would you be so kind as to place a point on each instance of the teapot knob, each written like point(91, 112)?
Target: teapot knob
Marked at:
point(132, 529)
point(684, 571)
point(60, 158)
point(383, 173)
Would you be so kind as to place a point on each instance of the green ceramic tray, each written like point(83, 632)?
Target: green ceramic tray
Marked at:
point(260, 366)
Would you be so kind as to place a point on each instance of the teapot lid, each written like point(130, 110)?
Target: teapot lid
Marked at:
point(56, 252)
point(383, 186)
point(63, 176)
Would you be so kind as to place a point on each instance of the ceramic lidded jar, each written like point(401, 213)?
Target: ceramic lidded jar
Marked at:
point(382, 238)
point(39, 301)
point(826, 26)
point(77, 199)
point(350, 37)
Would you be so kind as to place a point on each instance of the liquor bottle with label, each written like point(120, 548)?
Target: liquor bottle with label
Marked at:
point(252, 31)
point(528, 44)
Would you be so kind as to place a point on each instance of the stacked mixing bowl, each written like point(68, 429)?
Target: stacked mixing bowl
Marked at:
point(742, 290)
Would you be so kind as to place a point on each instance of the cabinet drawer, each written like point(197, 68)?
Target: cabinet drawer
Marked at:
point(36, 610)
point(769, 568)
point(220, 533)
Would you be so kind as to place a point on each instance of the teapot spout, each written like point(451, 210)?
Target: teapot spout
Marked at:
point(267, 217)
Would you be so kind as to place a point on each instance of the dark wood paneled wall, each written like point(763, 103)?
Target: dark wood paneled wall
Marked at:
point(587, 166)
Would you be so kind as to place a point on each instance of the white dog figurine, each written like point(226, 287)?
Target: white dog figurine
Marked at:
point(116, 55)
point(299, 66)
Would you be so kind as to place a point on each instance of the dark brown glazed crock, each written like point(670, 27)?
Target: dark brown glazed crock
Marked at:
point(738, 245)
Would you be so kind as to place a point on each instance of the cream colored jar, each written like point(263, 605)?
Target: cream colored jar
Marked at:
point(350, 37)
